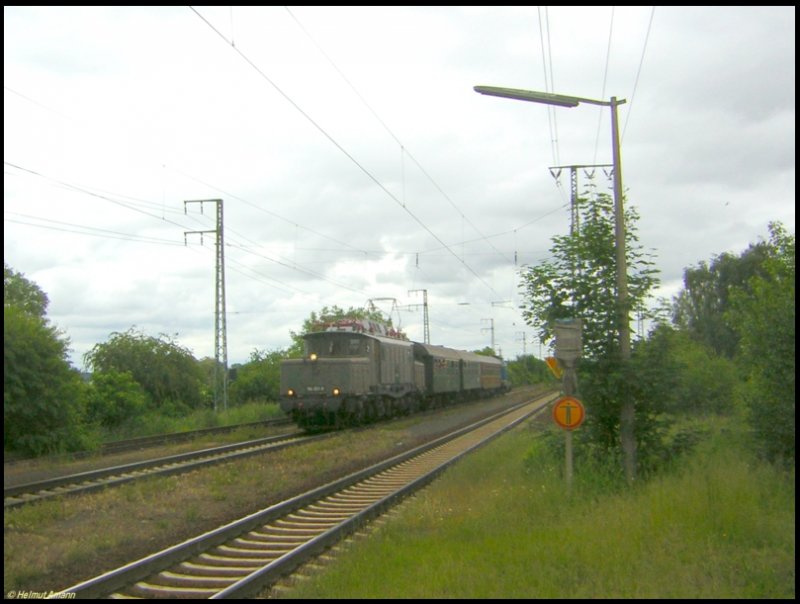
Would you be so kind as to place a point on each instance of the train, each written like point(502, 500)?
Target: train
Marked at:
point(358, 371)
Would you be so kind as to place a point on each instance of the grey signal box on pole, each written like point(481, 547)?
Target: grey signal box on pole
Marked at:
point(568, 339)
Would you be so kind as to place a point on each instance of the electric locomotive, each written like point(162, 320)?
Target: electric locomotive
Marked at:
point(359, 371)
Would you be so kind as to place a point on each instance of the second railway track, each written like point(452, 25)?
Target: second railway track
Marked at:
point(94, 480)
point(246, 556)
point(143, 442)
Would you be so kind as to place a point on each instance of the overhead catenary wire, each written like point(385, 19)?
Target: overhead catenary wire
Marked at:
point(344, 151)
point(355, 249)
point(549, 86)
point(403, 149)
point(86, 191)
point(638, 71)
point(161, 207)
point(247, 246)
point(131, 206)
point(601, 112)
point(79, 229)
point(153, 209)
point(347, 247)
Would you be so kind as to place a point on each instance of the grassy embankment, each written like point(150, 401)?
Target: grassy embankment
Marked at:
point(155, 423)
point(500, 524)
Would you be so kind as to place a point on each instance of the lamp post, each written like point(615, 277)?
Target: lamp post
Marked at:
point(623, 324)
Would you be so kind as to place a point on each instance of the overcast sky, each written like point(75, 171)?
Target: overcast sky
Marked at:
point(356, 162)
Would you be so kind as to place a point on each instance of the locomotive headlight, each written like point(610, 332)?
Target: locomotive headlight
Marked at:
point(312, 356)
point(290, 392)
point(336, 392)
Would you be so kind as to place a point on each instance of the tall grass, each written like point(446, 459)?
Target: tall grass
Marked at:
point(501, 525)
point(156, 423)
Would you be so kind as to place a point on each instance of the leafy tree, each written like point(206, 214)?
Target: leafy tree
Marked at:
point(580, 282)
point(208, 367)
point(43, 403)
point(258, 379)
point(114, 398)
point(676, 375)
point(328, 315)
point(763, 315)
point(167, 372)
point(701, 307)
point(685, 376)
point(22, 293)
point(527, 369)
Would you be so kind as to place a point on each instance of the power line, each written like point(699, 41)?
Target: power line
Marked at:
point(228, 194)
point(85, 191)
point(342, 149)
point(160, 207)
point(130, 206)
point(605, 79)
point(549, 85)
point(639, 70)
point(80, 229)
point(403, 148)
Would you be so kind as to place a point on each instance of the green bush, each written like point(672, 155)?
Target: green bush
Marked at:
point(43, 397)
point(764, 316)
point(113, 398)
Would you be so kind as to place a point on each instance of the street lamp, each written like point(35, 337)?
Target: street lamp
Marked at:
point(628, 442)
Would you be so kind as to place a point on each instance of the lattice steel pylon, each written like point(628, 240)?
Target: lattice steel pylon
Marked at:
point(426, 326)
point(588, 170)
point(220, 326)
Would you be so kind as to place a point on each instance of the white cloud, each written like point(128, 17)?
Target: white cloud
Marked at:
point(398, 177)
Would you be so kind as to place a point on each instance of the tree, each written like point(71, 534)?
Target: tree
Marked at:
point(258, 379)
point(166, 371)
point(701, 307)
point(705, 380)
point(328, 315)
point(527, 369)
point(763, 315)
point(580, 282)
point(114, 398)
point(43, 403)
point(22, 293)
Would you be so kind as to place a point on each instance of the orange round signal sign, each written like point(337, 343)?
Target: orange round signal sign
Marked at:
point(568, 412)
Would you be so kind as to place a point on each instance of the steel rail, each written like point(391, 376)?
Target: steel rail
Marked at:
point(249, 554)
point(142, 442)
point(94, 480)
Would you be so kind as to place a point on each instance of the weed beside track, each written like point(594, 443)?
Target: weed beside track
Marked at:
point(52, 544)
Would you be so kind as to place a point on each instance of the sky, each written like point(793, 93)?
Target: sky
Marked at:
point(355, 161)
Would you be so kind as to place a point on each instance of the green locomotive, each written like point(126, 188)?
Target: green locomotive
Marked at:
point(360, 371)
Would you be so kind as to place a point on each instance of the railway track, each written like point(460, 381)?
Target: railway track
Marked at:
point(85, 482)
point(143, 442)
point(246, 556)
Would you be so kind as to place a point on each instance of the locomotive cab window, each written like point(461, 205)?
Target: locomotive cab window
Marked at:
point(336, 345)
